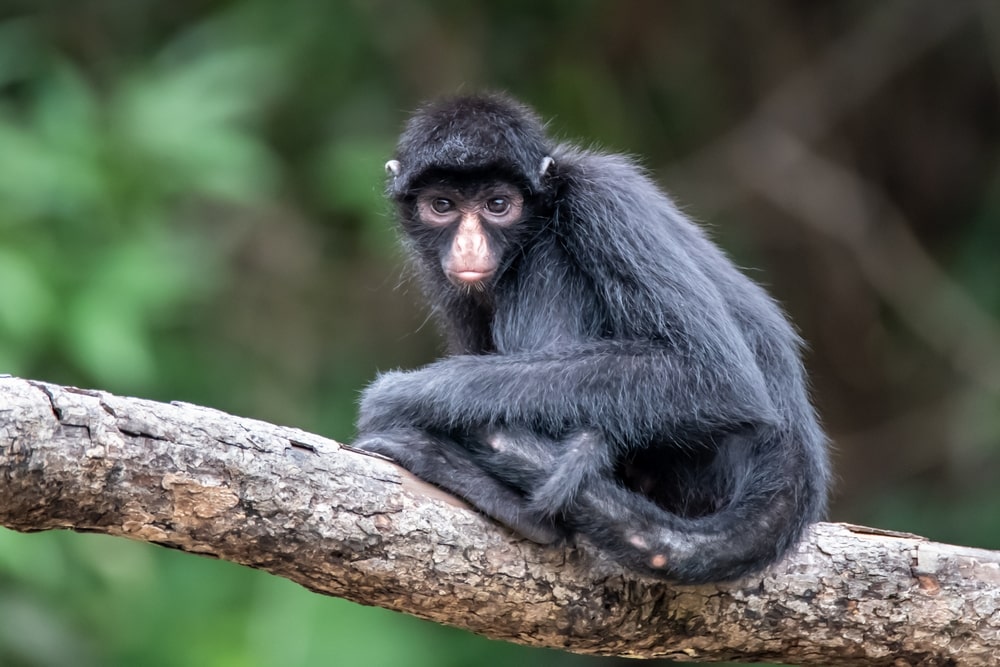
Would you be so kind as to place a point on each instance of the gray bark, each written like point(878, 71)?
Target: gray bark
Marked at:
point(352, 525)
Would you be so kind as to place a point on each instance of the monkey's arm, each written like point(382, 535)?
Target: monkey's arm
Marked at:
point(628, 390)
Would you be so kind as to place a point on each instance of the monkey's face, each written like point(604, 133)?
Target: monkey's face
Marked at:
point(471, 228)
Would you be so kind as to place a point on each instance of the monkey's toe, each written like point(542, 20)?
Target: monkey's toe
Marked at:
point(658, 561)
point(638, 541)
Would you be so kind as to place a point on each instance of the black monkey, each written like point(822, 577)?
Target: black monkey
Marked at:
point(611, 372)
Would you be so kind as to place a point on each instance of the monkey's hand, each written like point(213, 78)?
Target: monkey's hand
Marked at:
point(395, 400)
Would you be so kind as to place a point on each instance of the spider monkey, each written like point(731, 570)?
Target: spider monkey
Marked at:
point(611, 373)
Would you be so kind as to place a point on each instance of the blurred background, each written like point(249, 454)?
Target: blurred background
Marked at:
point(191, 209)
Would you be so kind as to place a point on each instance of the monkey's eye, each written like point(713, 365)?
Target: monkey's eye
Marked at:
point(498, 205)
point(442, 205)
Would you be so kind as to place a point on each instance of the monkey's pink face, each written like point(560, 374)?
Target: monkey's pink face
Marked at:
point(472, 221)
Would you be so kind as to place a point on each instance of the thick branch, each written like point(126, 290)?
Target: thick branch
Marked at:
point(349, 524)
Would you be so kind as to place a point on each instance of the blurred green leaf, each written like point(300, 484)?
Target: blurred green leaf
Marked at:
point(20, 51)
point(26, 303)
point(32, 635)
point(187, 122)
point(351, 173)
point(108, 343)
point(127, 288)
point(50, 159)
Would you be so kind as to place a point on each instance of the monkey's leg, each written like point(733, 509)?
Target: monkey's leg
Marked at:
point(450, 466)
point(519, 458)
point(549, 471)
point(568, 480)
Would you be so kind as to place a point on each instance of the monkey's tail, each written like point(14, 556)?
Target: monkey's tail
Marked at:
point(770, 486)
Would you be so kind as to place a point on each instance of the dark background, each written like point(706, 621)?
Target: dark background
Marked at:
point(191, 209)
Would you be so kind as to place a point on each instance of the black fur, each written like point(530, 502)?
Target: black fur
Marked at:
point(618, 377)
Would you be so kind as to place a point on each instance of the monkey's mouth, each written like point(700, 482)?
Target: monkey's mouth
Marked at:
point(468, 277)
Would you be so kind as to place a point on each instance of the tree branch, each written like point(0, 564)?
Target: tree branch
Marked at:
point(349, 524)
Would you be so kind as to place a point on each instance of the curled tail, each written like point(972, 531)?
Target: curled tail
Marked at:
point(713, 509)
point(768, 488)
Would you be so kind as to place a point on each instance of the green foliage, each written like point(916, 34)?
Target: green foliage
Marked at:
point(96, 253)
point(96, 601)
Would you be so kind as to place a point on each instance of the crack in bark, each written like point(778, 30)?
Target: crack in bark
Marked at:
point(144, 434)
point(44, 388)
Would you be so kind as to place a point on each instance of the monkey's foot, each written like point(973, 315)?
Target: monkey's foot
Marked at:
point(449, 466)
point(653, 557)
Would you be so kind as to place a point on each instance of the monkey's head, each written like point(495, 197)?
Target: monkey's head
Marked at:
point(469, 176)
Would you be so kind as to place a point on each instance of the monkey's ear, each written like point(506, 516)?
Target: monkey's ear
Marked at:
point(546, 166)
point(392, 167)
